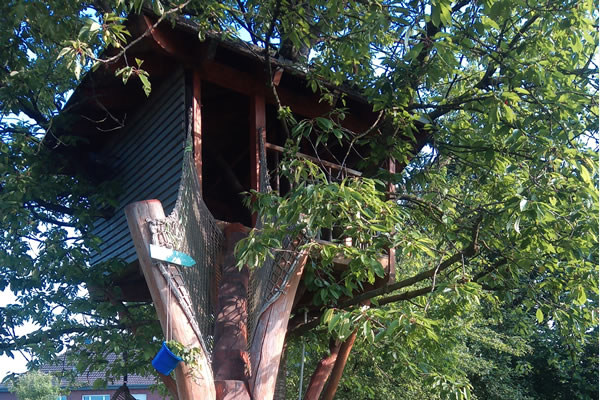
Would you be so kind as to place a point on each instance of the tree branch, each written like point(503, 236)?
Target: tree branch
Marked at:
point(468, 252)
point(44, 335)
point(46, 219)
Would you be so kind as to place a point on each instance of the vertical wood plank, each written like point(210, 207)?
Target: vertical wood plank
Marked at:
point(267, 344)
point(197, 384)
point(197, 122)
point(258, 124)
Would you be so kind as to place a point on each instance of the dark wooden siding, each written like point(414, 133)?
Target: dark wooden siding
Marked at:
point(147, 159)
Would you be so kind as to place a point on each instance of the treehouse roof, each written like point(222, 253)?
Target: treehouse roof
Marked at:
point(103, 101)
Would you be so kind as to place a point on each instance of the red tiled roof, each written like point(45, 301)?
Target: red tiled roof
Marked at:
point(88, 378)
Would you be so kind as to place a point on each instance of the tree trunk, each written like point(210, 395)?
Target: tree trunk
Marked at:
point(231, 366)
point(338, 368)
point(322, 372)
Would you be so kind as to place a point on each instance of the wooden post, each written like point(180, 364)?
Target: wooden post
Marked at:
point(197, 384)
point(338, 368)
point(197, 123)
point(230, 355)
point(322, 372)
point(267, 344)
point(258, 124)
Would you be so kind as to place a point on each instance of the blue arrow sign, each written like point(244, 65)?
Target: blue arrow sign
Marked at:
point(171, 256)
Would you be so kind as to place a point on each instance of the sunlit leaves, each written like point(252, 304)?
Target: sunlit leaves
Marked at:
point(504, 94)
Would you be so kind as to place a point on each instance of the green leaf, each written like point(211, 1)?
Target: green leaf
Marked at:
point(539, 315)
point(324, 123)
point(585, 175)
point(581, 296)
point(523, 204)
point(490, 22)
point(509, 114)
point(145, 84)
point(327, 316)
point(521, 90)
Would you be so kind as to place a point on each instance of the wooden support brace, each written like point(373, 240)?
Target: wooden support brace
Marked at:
point(269, 336)
point(197, 384)
point(197, 123)
point(258, 124)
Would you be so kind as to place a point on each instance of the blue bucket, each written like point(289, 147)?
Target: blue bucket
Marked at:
point(165, 361)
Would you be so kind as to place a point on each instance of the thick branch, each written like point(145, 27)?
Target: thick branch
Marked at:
point(54, 207)
point(322, 372)
point(338, 368)
point(44, 335)
point(468, 252)
point(48, 220)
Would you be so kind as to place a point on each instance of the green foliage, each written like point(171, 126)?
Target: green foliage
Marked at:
point(192, 356)
point(35, 385)
point(495, 220)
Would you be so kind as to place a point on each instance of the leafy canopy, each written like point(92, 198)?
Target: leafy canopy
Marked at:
point(36, 385)
point(498, 214)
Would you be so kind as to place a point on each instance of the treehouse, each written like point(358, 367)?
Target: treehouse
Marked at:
point(182, 158)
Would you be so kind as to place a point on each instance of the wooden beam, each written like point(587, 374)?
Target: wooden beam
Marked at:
point(258, 133)
point(197, 384)
point(324, 163)
point(168, 40)
point(197, 122)
point(338, 368)
point(258, 124)
point(267, 344)
point(304, 102)
point(229, 77)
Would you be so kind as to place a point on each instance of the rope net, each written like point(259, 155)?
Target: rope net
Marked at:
point(191, 229)
point(268, 281)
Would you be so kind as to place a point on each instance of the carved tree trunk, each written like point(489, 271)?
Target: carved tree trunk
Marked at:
point(190, 384)
point(231, 361)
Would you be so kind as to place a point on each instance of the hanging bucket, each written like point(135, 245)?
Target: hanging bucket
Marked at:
point(165, 361)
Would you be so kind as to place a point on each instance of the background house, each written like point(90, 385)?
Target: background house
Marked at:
point(139, 386)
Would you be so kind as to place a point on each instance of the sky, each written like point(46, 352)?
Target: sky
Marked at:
point(18, 364)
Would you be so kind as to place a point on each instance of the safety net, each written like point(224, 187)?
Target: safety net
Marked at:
point(191, 229)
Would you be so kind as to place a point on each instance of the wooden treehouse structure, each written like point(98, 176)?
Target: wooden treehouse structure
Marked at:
point(183, 156)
